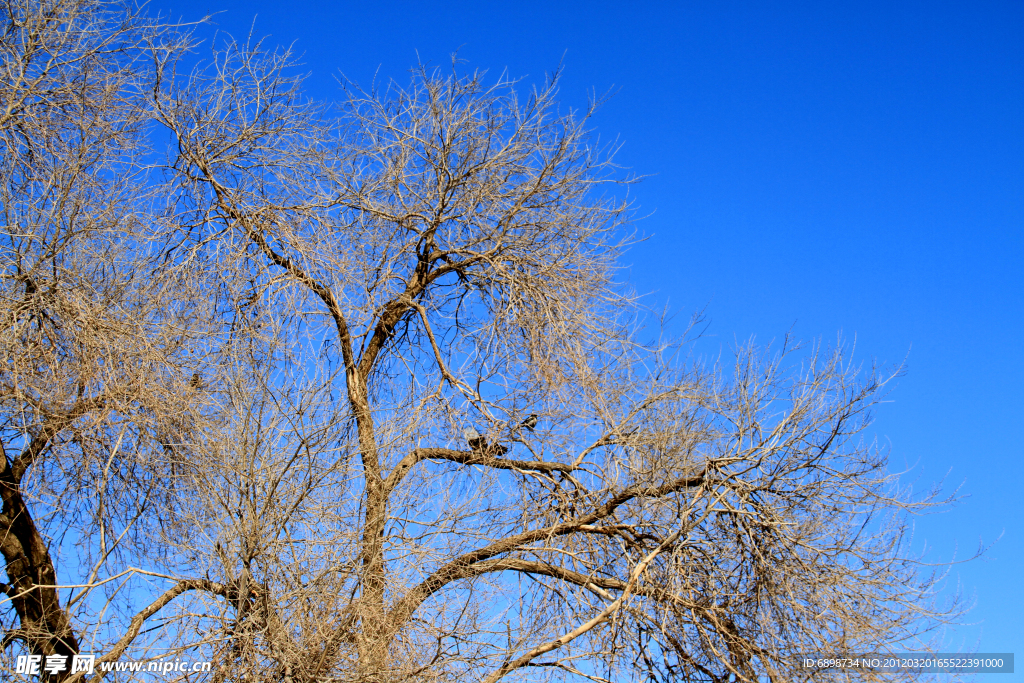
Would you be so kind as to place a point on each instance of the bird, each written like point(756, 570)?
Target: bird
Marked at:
point(530, 422)
point(473, 438)
point(479, 443)
point(196, 381)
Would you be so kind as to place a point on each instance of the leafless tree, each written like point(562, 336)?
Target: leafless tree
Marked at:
point(92, 340)
point(446, 255)
point(362, 399)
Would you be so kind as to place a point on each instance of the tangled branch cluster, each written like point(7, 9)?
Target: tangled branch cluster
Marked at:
point(236, 374)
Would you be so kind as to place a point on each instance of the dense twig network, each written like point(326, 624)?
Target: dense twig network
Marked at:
point(353, 394)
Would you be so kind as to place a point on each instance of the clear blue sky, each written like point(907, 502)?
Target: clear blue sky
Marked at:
point(820, 167)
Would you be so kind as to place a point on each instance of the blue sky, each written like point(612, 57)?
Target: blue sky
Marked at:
point(850, 167)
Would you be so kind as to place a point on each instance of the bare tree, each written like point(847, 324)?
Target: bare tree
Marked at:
point(523, 486)
point(91, 340)
point(354, 395)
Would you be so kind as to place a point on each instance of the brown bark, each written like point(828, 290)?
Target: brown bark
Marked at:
point(44, 625)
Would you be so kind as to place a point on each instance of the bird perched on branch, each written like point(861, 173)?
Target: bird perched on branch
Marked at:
point(479, 443)
point(473, 438)
point(530, 422)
